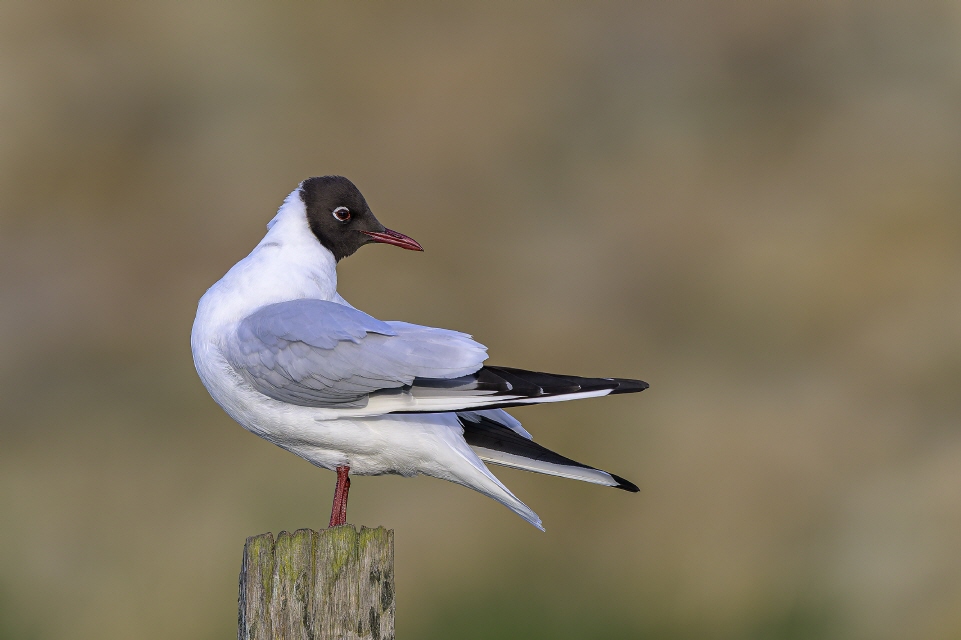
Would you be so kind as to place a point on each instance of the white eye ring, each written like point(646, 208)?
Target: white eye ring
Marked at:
point(341, 214)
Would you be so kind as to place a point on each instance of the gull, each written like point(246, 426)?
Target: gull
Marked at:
point(289, 359)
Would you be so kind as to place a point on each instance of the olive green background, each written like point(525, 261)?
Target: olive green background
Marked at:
point(754, 206)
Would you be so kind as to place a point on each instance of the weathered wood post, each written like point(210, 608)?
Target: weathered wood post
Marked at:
point(336, 583)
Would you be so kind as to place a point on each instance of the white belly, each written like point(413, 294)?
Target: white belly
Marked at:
point(405, 444)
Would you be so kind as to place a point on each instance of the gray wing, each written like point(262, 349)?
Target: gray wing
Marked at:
point(316, 353)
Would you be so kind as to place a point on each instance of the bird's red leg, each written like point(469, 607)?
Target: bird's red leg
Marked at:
point(338, 512)
point(343, 502)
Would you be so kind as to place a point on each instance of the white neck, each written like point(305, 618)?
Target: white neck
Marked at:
point(288, 264)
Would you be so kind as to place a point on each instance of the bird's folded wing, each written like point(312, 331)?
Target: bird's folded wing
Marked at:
point(498, 416)
point(496, 441)
point(316, 353)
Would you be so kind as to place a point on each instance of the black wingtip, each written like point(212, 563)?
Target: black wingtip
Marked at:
point(626, 385)
point(626, 485)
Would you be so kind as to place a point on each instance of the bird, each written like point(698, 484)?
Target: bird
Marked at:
point(289, 359)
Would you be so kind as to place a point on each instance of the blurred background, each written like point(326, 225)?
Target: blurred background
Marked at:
point(754, 206)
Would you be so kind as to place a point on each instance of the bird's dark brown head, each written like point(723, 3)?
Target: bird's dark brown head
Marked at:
point(340, 218)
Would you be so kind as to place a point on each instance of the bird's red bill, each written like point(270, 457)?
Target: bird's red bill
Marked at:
point(388, 236)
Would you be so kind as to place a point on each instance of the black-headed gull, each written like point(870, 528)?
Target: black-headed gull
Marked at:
point(290, 360)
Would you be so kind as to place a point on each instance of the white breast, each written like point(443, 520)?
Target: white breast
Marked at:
point(288, 264)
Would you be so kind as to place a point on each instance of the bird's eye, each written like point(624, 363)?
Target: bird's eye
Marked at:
point(341, 213)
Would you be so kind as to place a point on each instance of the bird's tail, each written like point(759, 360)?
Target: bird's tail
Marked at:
point(498, 443)
point(475, 475)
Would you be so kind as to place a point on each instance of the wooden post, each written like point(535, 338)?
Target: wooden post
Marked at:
point(336, 583)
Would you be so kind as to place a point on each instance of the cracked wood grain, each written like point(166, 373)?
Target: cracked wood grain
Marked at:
point(309, 585)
